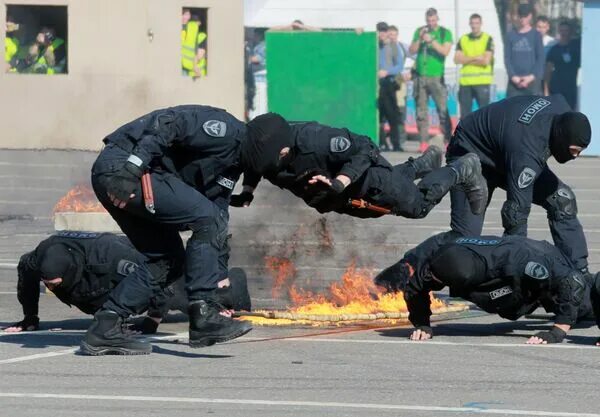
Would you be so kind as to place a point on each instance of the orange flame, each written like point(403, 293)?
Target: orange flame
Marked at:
point(80, 199)
point(283, 272)
point(355, 293)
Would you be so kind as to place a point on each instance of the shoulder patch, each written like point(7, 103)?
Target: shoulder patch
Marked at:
point(339, 144)
point(215, 128)
point(126, 267)
point(532, 110)
point(526, 177)
point(536, 271)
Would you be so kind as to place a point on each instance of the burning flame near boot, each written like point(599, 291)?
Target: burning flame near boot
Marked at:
point(355, 298)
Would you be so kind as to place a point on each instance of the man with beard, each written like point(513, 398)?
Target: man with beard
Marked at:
point(327, 166)
point(514, 139)
point(82, 268)
point(510, 276)
point(191, 156)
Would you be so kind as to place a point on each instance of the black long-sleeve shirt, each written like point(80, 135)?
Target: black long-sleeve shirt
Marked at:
point(519, 272)
point(511, 138)
point(324, 150)
point(201, 144)
point(101, 261)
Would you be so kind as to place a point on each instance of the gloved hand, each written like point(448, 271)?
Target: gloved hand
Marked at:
point(422, 333)
point(28, 324)
point(555, 335)
point(121, 185)
point(241, 200)
point(326, 192)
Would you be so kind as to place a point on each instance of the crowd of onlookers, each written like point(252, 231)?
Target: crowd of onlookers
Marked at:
point(536, 63)
point(45, 54)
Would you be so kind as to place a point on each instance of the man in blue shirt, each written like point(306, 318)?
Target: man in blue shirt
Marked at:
point(390, 65)
point(524, 57)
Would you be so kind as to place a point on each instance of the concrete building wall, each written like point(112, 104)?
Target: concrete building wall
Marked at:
point(117, 71)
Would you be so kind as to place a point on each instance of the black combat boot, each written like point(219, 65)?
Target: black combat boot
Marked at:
point(208, 326)
point(473, 183)
point(106, 336)
point(430, 159)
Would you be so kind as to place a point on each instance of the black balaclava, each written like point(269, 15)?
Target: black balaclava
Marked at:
point(394, 278)
point(458, 267)
point(57, 261)
point(570, 128)
point(268, 134)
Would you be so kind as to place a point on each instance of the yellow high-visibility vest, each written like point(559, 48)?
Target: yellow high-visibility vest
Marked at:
point(41, 61)
point(475, 74)
point(191, 37)
point(11, 47)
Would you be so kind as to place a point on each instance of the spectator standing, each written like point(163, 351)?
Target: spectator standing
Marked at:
point(542, 25)
point(431, 43)
point(475, 52)
point(563, 62)
point(193, 46)
point(401, 79)
point(11, 44)
point(389, 67)
point(524, 57)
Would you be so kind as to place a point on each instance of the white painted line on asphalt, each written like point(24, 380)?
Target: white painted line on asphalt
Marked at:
point(38, 355)
point(8, 265)
point(304, 404)
point(70, 350)
point(8, 292)
point(429, 343)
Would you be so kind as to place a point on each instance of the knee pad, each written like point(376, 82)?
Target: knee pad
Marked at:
point(212, 230)
point(576, 285)
point(562, 204)
point(513, 215)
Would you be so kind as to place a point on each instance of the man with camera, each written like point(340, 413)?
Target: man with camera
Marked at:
point(431, 43)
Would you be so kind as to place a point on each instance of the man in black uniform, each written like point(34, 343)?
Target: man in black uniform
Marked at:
point(510, 276)
point(194, 157)
point(82, 268)
point(327, 166)
point(514, 139)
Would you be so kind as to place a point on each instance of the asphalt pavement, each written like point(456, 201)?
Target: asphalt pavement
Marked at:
point(474, 365)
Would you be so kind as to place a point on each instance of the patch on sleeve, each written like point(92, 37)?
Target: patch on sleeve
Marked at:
point(225, 182)
point(339, 144)
point(532, 110)
point(500, 292)
point(215, 128)
point(125, 267)
point(536, 271)
point(526, 177)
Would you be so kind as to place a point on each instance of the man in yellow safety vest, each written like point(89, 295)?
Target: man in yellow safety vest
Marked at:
point(11, 44)
point(475, 51)
point(193, 46)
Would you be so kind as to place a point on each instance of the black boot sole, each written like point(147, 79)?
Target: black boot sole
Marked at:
point(90, 350)
point(206, 341)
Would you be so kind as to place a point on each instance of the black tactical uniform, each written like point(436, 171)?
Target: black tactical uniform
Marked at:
point(192, 153)
point(90, 265)
point(323, 150)
point(513, 139)
point(510, 277)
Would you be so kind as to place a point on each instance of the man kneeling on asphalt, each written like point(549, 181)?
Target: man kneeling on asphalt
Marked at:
point(82, 268)
point(327, 166)
point(510, 276)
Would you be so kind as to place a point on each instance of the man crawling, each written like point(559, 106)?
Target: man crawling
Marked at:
point(510, 276)
point(82, 269)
